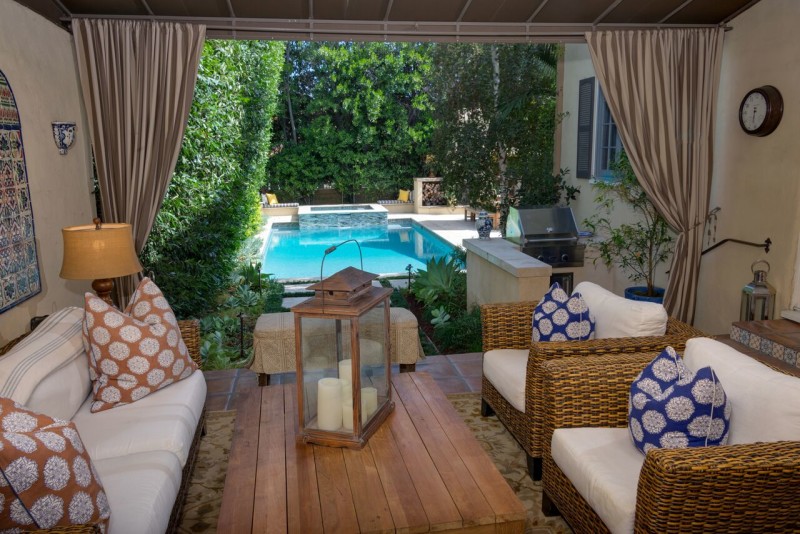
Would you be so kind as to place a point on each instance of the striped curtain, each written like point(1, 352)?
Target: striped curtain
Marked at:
point(138, 80)
point(661, 87)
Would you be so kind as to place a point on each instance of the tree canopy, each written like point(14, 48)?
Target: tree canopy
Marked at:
point(353, 115)
point(495, 119)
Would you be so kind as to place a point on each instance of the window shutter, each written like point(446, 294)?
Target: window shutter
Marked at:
point(583, 168)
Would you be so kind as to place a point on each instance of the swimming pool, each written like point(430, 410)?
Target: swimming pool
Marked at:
point(295, 254)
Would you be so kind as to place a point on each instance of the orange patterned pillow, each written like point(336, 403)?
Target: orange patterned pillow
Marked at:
point(132, 357)
point(149, 305)
point(46, 476)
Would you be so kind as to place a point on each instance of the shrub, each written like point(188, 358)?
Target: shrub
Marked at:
point(212, 204)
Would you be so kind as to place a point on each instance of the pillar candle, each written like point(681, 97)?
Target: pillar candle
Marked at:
point(369, 402)
point(346, 369)
point(329, 404)
point(347, 414)
point(347, 390)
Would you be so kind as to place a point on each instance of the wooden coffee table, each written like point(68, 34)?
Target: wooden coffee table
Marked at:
point(421, 471)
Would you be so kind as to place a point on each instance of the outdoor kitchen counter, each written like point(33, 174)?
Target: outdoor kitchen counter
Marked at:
point(497, 271)
point(508, 257)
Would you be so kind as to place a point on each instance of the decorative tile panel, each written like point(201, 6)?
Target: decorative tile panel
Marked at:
point(19, 266)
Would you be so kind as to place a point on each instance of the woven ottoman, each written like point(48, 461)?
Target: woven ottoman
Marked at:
point(274, 349)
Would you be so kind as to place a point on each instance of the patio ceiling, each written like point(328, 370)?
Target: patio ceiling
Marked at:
point(404, 20)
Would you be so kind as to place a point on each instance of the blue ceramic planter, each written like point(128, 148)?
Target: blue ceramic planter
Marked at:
point(638, 293)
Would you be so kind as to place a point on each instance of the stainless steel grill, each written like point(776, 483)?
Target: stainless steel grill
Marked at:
point(548, 234)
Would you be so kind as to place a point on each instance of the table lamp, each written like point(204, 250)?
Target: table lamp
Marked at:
point(99, 252)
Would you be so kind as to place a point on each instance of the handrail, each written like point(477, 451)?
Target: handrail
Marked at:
point(766, 244)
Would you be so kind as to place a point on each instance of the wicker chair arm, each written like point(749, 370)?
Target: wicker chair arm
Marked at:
point(588, 392)
point(190, 332)
point(507, 326)
point(613, 345)
point(69, 529)
point(735, 488)
point(676, 327)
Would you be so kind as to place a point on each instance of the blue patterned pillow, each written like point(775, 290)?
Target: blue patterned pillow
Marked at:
point(559, 317)
point(671, 407)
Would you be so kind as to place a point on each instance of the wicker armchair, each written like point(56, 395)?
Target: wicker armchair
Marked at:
point(508, 326)
point(733, 488)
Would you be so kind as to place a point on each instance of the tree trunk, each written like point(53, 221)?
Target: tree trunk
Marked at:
point(287, 90)
point(502, 163)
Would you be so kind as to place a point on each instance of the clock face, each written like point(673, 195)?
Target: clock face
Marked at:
point(753, 111)
point(761, 111)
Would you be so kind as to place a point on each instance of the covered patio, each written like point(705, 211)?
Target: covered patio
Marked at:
point(741, 186)
point(715, 181)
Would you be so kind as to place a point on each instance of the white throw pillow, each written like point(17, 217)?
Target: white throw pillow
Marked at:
point(617, 316)
point(48, 371)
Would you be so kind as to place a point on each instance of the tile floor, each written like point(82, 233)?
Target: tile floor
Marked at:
point(454, 373)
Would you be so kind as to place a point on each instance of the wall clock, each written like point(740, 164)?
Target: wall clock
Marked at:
point(761, 111)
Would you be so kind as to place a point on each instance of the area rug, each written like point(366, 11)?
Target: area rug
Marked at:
point(510, 460)
point(201, 509)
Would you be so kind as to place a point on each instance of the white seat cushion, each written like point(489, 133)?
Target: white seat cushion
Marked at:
point(505, 369)
point(765, 403)
point(604, 466)
point(141, 490)
point(617, 316)
point(162, 421)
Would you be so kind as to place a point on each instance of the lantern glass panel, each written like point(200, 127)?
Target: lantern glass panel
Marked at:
point(325, 343)
point(374, 361)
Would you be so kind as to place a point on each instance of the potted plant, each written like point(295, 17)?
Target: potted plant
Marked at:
point(638, 247)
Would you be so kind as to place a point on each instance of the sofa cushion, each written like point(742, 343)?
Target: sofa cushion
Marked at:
point(506, 370)
point(48, 371)
point(163, 421)
point(48, 477)
point(403, 195)
point(617, 316)
point(129, 358)
point(765, 402)
point(604, 468)
point(141, 490)
point(560, 317)
point(673, 407)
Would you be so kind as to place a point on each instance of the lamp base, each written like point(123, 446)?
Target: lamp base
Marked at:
point(103, 287)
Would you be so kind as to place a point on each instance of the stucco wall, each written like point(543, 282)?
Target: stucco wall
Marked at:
point(37, 58)
point(755, 179)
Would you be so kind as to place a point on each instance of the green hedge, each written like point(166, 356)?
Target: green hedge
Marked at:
point(212, 204)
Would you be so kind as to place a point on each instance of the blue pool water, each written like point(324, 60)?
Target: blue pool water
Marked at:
point(295, 254)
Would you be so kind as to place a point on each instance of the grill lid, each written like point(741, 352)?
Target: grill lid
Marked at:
point(541, 225)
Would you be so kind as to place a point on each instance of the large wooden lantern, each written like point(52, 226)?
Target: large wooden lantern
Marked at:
point(343, 360)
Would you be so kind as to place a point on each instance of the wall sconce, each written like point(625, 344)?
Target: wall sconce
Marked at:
point(64, 135)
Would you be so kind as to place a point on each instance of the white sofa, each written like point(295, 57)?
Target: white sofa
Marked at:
point(600, 481)
point(143, 451)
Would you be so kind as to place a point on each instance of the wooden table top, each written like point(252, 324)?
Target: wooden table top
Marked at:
point(422, 471)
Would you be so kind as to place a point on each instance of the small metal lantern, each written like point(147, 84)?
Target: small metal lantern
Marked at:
point(758, 297)
point(343, 360)
point(483, 224)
